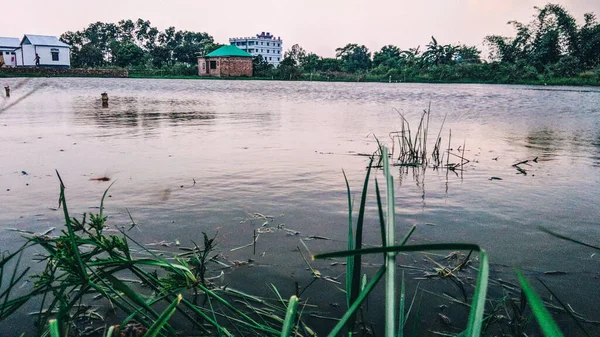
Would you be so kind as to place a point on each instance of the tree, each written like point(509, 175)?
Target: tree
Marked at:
point(355, 58)
point(388, 56)
point(89, 56)
point(261, 67)
point(296, 54)
point(288, 68)
point(467, 54)
point(327, 64)
point(127, 54)
point(309, 62)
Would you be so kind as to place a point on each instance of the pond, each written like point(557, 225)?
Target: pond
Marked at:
point(193, 156)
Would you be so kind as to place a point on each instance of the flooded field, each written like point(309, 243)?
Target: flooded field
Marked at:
point(188, 157)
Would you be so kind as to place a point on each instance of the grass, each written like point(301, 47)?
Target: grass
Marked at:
point(83, 264)
point(479, 319)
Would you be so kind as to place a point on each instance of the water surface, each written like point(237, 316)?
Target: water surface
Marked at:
point(278, 149)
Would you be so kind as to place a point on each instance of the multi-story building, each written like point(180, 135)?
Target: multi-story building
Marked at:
point(264, 44)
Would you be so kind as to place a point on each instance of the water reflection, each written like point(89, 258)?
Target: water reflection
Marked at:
point(596, 155)
point(140, 112)
point(549, 142)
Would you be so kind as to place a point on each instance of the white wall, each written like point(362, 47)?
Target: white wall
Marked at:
point(28, 56)
point(8, 57)
point(260, 47)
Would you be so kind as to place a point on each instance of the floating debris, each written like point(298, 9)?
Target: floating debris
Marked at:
point(100, 178)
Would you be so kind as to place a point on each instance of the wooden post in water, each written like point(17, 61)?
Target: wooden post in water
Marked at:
point(7, 90)
point(104, 100)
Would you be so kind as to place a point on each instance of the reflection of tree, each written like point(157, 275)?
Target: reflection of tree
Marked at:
point(549, 142)
point(596, 155)
point(148, 114)
point(183, 117)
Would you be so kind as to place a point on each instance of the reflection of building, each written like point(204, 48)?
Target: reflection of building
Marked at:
point(263, 44)
point(8, 45)
point(225, 61)
point(51, 52)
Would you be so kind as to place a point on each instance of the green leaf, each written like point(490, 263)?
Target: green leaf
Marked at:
point(290, 317)
point(54, 328)
point(409, 248)
point(547, 324)
point(163, 318)
point(401, 317)
point(478, 304)
point(356, 304)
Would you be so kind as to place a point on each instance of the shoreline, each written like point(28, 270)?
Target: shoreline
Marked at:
point(575, 82)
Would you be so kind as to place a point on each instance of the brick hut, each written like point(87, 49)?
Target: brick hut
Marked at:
point(226, 61)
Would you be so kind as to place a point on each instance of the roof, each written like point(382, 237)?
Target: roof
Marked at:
point(42, 40)
point(228, 51)
point(11, 42)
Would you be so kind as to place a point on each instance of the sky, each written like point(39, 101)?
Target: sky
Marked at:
point(319, 26)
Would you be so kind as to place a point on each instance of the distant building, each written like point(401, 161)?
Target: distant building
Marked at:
point(226, 61)
point(8, 45)
point(263, 44)
point(51, 51)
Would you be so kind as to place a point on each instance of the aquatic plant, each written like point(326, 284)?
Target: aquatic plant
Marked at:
point(396, 315)
point(84, 263)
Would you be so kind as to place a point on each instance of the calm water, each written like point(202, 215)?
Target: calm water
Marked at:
point(278, 148)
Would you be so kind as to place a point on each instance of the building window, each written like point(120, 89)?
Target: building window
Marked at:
point(269, 59)
point(278, 59)
point(268, 50)
point(262, 43)
point(213, 65)
point(54, 53)
point(267, 43)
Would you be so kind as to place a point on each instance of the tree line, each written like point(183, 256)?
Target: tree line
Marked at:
point(551, 46)
point(129, 44)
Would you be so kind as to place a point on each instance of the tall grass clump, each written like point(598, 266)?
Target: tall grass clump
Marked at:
point(411, 147)
point(396, 314)
point(83, 264)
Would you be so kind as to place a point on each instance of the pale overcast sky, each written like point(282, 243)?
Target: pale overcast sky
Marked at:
point(319, 26)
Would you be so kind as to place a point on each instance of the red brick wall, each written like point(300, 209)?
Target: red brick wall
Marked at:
point(226, 66)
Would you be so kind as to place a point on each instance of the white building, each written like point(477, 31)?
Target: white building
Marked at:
point(264, 44)
point(51, 52)
point(8, 45)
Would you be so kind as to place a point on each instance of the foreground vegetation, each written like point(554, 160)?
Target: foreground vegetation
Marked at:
point(146, 289)
point(551, 49)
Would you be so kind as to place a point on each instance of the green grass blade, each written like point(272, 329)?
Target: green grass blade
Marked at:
point(162, 320)
point(562, 237)
point(72, 236)
point(478, 304)
point(356, 304)
point(356, 273)
point(349, 259)
point(409, 248)
point(547, 324)
point(54, 328)
point(290, 317)
point(567, 309)
point(390, 281)
point(130, 293)
point(407, 236)
point(110, 331)
point(401, 317)
point(381, 218)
